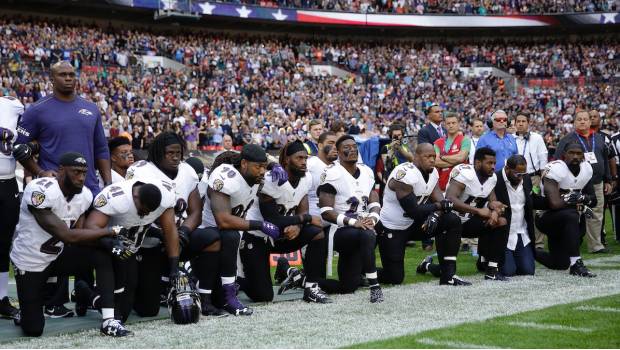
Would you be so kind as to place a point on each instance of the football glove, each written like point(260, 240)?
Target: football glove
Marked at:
point(183, 236)
point(430, 224)
point(279, 174)
point(573, 198)
point(22, 152)
point(270, 230)
point(587, 212)
point(174, 270)
point(119, 247)
point(446, 205)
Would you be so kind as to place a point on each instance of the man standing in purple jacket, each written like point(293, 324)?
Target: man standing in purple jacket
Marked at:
point(60, 123)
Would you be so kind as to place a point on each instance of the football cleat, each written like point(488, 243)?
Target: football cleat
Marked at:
point(81, 292)
point(423, 266)
point(579, 269)
point(233, 305)
point(292, 281)
point(455, 281)
point(493, 274)
point(208, 309)
point(114, 328)
point(481, 266)
point(58, 311)
point(7, 310)
point(315, 294)
point(376, 294)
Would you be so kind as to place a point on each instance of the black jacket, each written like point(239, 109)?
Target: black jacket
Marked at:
point(532, 201)
point(428, 134)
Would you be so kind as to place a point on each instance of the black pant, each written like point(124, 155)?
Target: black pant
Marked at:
point(356, 250)
point(564, 232)
point(392, 244)
point(9, 207)
point(491, 241)
point(254, 255)
point(73, 259)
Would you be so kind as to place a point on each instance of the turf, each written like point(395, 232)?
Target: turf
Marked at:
point(582, 328)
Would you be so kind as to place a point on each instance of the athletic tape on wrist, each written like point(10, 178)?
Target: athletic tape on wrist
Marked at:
point(324, 209)
point(374, 205)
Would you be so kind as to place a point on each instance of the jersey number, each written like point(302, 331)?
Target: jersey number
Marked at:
point(239, 211)
point(49, 246)
point(282, 210)
point(354, 203)
point(6, 141)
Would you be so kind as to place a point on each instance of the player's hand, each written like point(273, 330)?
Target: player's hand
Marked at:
point(607, 188)
point(22, 152)
point(430, 224)
point(270, 230)
point(573, 198)
point(183, 236)
point(446, 205)
point(117, 246)
point(588, 213)
point(174, 270)
point(492, 221)
point(291, 232)
point(369, 221)
point(316, 221)
point(484, 213)
point(279, 174)
point(498, 206)
point(362, 225)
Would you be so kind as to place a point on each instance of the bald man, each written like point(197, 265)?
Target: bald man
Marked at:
point(56, 124)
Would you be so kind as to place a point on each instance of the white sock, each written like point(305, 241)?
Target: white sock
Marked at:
point(573, 260)
point(4, 284)
point(372, 275)
point(309, 284)
point(492, 264)
point(228, 280)
point(482, 259)
point(107, 313)
point(452, 258)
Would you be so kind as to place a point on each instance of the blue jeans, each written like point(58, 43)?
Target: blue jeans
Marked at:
point(520, 261)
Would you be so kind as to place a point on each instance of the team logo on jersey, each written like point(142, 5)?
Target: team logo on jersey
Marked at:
point(218, 185)
point(85, 112)
point(455, 172)
point(323, 176)
point(37, 198)
point(100, 201)
point(400, 174)
point(129, 174)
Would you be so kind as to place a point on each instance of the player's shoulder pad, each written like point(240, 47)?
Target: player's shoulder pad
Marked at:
point(225, 178)
point(42, 193)
point(188, 171)
point(555, 170)
point(365, 169)
point(463, 173)
point(168, 197)
point(135, 169)
point(86, 196)
point(111, 201)
point(270, 188)
point(332, 173)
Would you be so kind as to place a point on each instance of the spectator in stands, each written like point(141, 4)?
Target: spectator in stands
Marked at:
point(503, 143)
point(315, 129)
point(433, 130)
point(477, 129)
point(354, 129)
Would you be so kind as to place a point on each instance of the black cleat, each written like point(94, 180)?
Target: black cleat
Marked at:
point(579, 269)
point(455, 281)
point(292, 281)
point(81, 293)
point(423, 266)
point(7, 310)
point(58, 311)
point(493, 274)
point(114, 328)
point(315, 294)
point(376, 294)
point(481, 266)
point(207, 308)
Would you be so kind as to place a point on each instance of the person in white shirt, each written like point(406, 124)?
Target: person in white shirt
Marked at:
point(531, 145)
point(477, 129)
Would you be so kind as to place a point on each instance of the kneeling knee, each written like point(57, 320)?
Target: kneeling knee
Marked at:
point(31, 331)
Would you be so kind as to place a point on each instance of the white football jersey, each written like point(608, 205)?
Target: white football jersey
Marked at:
point(116, 201)
point(351, 193)
point(559, 172)
point(34, 248)
point(316, 167)
point(10, 110)
point(475, 193)
point(203, 184)
point(286, 196)
point(227, 180)
point(392, 214)
point(116, 177)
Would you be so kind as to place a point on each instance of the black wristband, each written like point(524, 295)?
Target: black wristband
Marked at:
point(186, 230)
point(34, 146)
point(255, 225)
point(307, 218)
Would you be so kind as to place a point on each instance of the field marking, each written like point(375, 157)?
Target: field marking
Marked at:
point(550, 327)
point(453, 344)
point(597, 308)
point(351, 319)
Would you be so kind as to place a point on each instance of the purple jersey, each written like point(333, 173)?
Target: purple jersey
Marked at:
point(61, 127)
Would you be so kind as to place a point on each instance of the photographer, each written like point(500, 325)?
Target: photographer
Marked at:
point(394, 153)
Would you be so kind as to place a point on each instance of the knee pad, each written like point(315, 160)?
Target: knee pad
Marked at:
point(230, 237)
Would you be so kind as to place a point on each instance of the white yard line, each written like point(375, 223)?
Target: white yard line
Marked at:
point(597, 308)
point(453, 344)
point(351, 319)
point(551, 327)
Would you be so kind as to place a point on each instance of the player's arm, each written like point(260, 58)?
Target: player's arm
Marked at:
point(552, 193)
point(222, 212)
point(454, 191)
point(304, 208)
point(374, 207)
point(171, 235)
point(327, 200)
point(494, 204)
point(56, 227)
point(194, 212)
point(409, 203)
point(269, 210)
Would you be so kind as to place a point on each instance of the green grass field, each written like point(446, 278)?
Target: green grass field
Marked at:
point(591, 324)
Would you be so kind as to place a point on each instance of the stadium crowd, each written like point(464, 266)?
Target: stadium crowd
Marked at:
point(456, 7)
point(487, 156)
